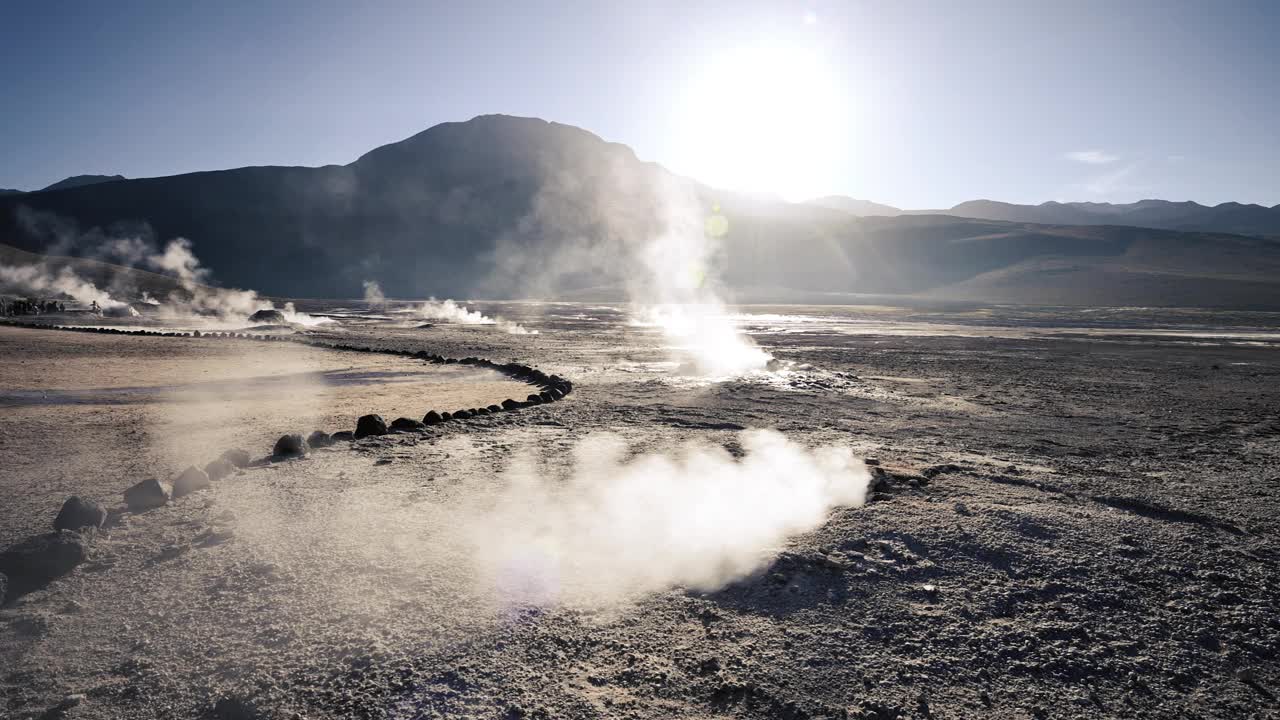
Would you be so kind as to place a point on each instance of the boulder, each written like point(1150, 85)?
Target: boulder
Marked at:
point(219, 469)
point(533, 400)
point(480, 411)
point(370, 425)
point(319, 439)
point(239, 458)
point(45, 557)
point(461, 414)
point(432, 418)
point(290, 446)
point(510, 404)
point(406, 424)
point(150, 493)
point(191, 480)
point(446, 416)
point(545, 396)
point(273, 317)
point(495, 408)
point(343, 436)
point(77, 513)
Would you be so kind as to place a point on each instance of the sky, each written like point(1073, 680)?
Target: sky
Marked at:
point(914, 104)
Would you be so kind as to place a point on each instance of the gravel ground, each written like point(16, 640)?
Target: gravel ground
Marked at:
point(1060, 526)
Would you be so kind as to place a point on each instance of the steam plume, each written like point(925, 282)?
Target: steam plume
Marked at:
point(694, 518)
point(43, 279)
point(373, 294)
point(450, 311)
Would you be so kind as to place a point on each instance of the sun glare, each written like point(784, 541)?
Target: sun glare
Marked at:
point(763, 120)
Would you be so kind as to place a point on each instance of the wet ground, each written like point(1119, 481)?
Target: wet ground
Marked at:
point(1074, 516)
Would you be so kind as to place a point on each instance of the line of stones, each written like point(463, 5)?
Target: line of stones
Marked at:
point(42, 558)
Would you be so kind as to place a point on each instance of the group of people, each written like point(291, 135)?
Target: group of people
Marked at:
point(10, 308)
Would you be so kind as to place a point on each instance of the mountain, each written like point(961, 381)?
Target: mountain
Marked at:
point(82, 180)
point(505, 207)
point(1227, 217)
point(853, 206)
point(9, 191)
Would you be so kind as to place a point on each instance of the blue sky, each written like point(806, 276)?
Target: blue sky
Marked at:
point(914, 104)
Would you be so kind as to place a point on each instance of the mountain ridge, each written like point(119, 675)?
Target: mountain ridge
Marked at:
point(504, 207)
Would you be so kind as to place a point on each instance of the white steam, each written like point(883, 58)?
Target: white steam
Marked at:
point(374, 296)
point(619, 526)
point(43, 279)
point(452, 312)
point(678, 293)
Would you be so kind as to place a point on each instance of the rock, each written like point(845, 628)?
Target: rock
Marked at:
point(432, 418)
point(343, 436)
point(233, 708)
point(545, 397)
point(45, 557)
point(370, 425)
point(77, 513)
point(510, 404)
point(480, 411)
point(462, 415)
point(533, 400)
point(239, 458)
point(290, 446)
point(271, 317)
point(219, 469)
point(4, 587)
point(555, 393)
point(150, 493)
point(191, 480)
point(319, 439)
point(407, 424)
point(446, 416)
point(495, 408)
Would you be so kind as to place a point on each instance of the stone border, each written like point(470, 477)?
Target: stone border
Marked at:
point(40, 559)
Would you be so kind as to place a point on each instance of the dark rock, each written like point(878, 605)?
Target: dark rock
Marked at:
point(191, 480)
point(370, 425)
point(150, 493)
point(446, 416)
point(555, 393)
point(233, 708)
point(343, 436)
point(239, 458)
point(44, 557)
point(480, 411)
point(219, 469)
point(290, 446)
point(495, 408)
point(319, 439)
point(404, 423)
point(77, 513)
point(533, 400)
point(432, 418)
point(545, 397)
point(462, 415)
point(273, 317)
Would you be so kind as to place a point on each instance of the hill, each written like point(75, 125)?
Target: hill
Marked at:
point(507, 207)
point(82, 180)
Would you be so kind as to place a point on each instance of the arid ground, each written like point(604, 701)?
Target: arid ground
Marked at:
point(1072, 523)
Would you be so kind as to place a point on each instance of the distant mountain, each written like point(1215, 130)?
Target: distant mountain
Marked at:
point(1160, 214)
point(853, 206)
point(8, 191)
point(504, 207)
point(82, 180)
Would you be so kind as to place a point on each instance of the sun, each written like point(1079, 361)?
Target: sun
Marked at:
point(763, 120)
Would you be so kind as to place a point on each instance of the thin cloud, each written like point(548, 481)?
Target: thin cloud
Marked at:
point(1092, 157)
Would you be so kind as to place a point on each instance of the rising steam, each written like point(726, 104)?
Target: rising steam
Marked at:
point(452, 312)
point(374, 296)
point(619, 526)
point(43, 279)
